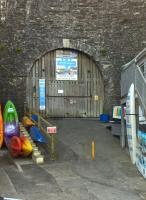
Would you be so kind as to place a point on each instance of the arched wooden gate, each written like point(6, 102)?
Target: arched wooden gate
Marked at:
point(73, 85)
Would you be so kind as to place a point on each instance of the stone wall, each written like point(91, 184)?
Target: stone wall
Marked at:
point(111, 32)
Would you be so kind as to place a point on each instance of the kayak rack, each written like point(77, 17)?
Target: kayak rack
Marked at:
point(37, 156)
point(50, 137)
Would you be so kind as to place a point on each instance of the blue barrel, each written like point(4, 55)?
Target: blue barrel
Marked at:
point(104, 118)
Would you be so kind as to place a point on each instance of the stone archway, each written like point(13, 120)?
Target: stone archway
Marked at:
point(81, 95)
point(104, 65)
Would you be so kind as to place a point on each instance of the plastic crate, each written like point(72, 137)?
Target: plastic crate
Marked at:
point(104, 118)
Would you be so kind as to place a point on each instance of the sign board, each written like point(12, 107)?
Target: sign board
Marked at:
point(66, 65)
point(117, 112)
point(141, 144)
point(140, 152)
point(96, 98)
point(10, 110)
point(52, 130)
point(60, 91)
point(42, 98)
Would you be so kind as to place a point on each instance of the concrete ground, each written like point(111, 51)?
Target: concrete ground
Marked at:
point(74, 175)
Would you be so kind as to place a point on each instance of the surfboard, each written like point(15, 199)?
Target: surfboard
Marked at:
point(131, 123)
point(11, 123)
point(1, 128)
point(141, 144)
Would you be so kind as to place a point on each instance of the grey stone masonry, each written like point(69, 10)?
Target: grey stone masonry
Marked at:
point(112, 32)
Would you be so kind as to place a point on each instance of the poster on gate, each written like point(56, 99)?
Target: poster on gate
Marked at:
point(66, 65)
point(42, 98)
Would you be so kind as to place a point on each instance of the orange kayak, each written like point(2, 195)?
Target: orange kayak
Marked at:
point(1, 128)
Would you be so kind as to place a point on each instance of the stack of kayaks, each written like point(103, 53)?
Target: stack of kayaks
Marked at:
point(18, 146)
point(1, 128)
point(35, 132)
point(10, 133)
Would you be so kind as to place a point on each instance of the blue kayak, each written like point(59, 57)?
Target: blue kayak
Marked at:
point(34, 118)
point(36, 135)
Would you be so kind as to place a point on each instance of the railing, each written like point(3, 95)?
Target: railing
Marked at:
point(127, 78)
point(140, 86)
point(133, 74)
point(42, 123)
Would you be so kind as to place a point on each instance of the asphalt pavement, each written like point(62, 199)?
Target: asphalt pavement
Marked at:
point(75, 175)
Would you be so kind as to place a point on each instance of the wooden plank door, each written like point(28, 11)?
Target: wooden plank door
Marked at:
point(70, 98)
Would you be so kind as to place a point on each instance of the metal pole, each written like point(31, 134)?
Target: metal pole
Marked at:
point(52, 146)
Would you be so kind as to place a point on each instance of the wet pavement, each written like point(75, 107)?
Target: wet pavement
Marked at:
point(74, 175)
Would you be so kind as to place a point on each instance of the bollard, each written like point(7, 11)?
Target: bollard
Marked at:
point(90, 150)
point(93, 150)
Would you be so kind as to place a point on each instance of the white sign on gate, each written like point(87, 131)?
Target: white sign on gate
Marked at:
point(60, 91)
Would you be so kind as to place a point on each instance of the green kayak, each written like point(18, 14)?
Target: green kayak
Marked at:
point(11, 122)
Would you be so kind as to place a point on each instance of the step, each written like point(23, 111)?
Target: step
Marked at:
point(33, 145)
point(36, 153)
point(35, 148)
point(38, 159)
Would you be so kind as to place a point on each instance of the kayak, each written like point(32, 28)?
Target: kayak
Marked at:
point(34, 118)
point(15, 146)
point(26, 146)
point(27, 122)
point(1, 128)
point(36, 134)
point(20, 146)
point(11, 123)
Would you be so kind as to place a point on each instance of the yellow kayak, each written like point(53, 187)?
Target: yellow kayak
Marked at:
point(27, 122)
point(26, 148)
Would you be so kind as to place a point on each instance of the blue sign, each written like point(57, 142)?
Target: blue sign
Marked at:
point(42, 94)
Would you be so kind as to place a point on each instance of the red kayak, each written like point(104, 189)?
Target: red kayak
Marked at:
point(15, 146)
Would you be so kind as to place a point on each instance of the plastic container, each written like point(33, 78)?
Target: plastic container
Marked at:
point(104, 118)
